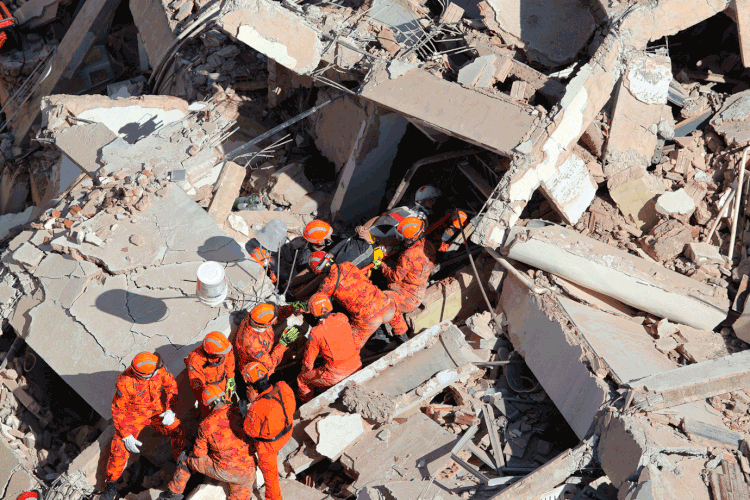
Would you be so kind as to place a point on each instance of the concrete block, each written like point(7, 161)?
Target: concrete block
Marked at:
point(227, 190)
point(289, 185)
point(479, 72)
point(667, 240)
point(337, 432)
point(742, 8)
point(702, 253)
point(675, 203)
point(571, 189)
point(731, 121)
point(28, 255)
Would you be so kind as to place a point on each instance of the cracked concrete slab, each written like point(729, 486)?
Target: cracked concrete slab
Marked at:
point(74, 355)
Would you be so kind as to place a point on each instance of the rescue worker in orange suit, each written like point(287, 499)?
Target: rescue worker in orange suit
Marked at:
point(408, 281)
point(265, 259)
point(367, 305)
point(455, 224)
point(255, 338)
point(211, 363)
point(221, 451)
point(269, 423)
point(332, 338)
point(144, 397)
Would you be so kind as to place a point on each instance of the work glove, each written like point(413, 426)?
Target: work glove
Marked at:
point(289, 336)
point(167, 418)
point(300, 306)
point(376, 264)
point(132, 444)
point(231, 387)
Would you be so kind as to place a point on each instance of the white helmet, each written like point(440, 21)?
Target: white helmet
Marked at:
point(426, 191)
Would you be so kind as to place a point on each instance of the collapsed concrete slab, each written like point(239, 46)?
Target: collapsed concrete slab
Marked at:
point(632, 280)
point(442, 105)
point(275, 32)
point(693, 382)
point(731, 121)
point(537, 26)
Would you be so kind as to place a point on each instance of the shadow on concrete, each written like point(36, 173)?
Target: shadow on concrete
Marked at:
point(133, 307)
point(221, 249)
point(133, 132)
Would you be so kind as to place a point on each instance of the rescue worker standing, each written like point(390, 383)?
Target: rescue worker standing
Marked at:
point(211, 363)
point(255, 338)
point(144, 397)
point(333, 339)
point(367, 305)
point(410, 277)
point(269, 423)
point(221, 451)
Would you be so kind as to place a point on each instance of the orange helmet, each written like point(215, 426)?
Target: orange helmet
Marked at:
point(317, 232)
point(216, 344)
point(212, 394)
point(262, 257)
point(459, 219)
point(318, 261)
point(411, 228)
point(320, 305)
point(254, 372)
point(263, 315)
point(145, 364)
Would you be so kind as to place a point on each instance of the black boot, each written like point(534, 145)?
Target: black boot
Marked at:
point(110, 491)
point(168, 495)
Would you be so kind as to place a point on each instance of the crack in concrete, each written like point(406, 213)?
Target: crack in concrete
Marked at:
point(13, 472)
point(104, 350)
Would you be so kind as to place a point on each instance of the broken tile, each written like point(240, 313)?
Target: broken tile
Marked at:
point(28, 255)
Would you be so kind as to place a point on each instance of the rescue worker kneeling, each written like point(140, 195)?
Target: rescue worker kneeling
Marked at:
point(412, 273)
point(332, 337)
point(211, 363)
point(366, 304)
point(269, 422)
point(144, 397)
point(255, 338)
point(221, 451)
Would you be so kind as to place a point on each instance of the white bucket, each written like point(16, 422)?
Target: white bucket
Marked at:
point(212, 284)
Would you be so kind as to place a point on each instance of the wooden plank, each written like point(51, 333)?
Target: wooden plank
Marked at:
point(77, 34)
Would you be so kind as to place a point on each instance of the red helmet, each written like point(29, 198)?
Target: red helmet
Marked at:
point(29, 495)
point(317, 232)
point(254, 372)
point(146, 364)
point(320, 305)
point(411, 228)
point(262, 257)
point(263, 315)
point(212, 394)
point(216, 344)
point(319, 261)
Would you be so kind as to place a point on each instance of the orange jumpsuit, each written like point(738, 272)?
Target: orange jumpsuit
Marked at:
point(138, 404)
point(333, 338)
point(269, 424)
point(254, 346)
point(367, 305)
point(222, 451)
point(409, 281)
point(203, 372)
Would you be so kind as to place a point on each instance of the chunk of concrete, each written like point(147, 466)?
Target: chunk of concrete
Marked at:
point(276, 32)
point(742, 8)
point(675, 203)
point(538, 25)
point(571, 189)
point(731, 121)
point(478, 73)
point(28, 255)
point(337, 432)
point(227, 190)
point(702, 253)
point(667, 240)
point(289, 184)
point(9, 222)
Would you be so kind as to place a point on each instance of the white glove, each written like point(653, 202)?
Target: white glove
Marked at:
point(132, 444)
point(167, 418)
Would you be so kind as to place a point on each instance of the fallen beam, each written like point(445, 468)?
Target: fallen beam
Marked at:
point(632, 280)
point(721, 434)
point(693, 382)
point(548, 475)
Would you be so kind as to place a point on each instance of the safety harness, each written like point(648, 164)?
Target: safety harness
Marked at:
point(287, 424)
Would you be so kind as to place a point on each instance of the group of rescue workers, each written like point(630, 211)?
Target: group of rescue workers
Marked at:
point(231, 441)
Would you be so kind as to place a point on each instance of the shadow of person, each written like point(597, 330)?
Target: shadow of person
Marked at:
point(134, 307)
point(221, 249)
point(133, 132)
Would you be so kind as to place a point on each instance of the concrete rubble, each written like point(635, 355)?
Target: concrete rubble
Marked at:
point(585, 336)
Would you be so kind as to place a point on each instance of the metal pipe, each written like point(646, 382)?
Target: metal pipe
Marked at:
point(426, 161)
point(737, 203)
point(720, 216)
point(518, 274)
